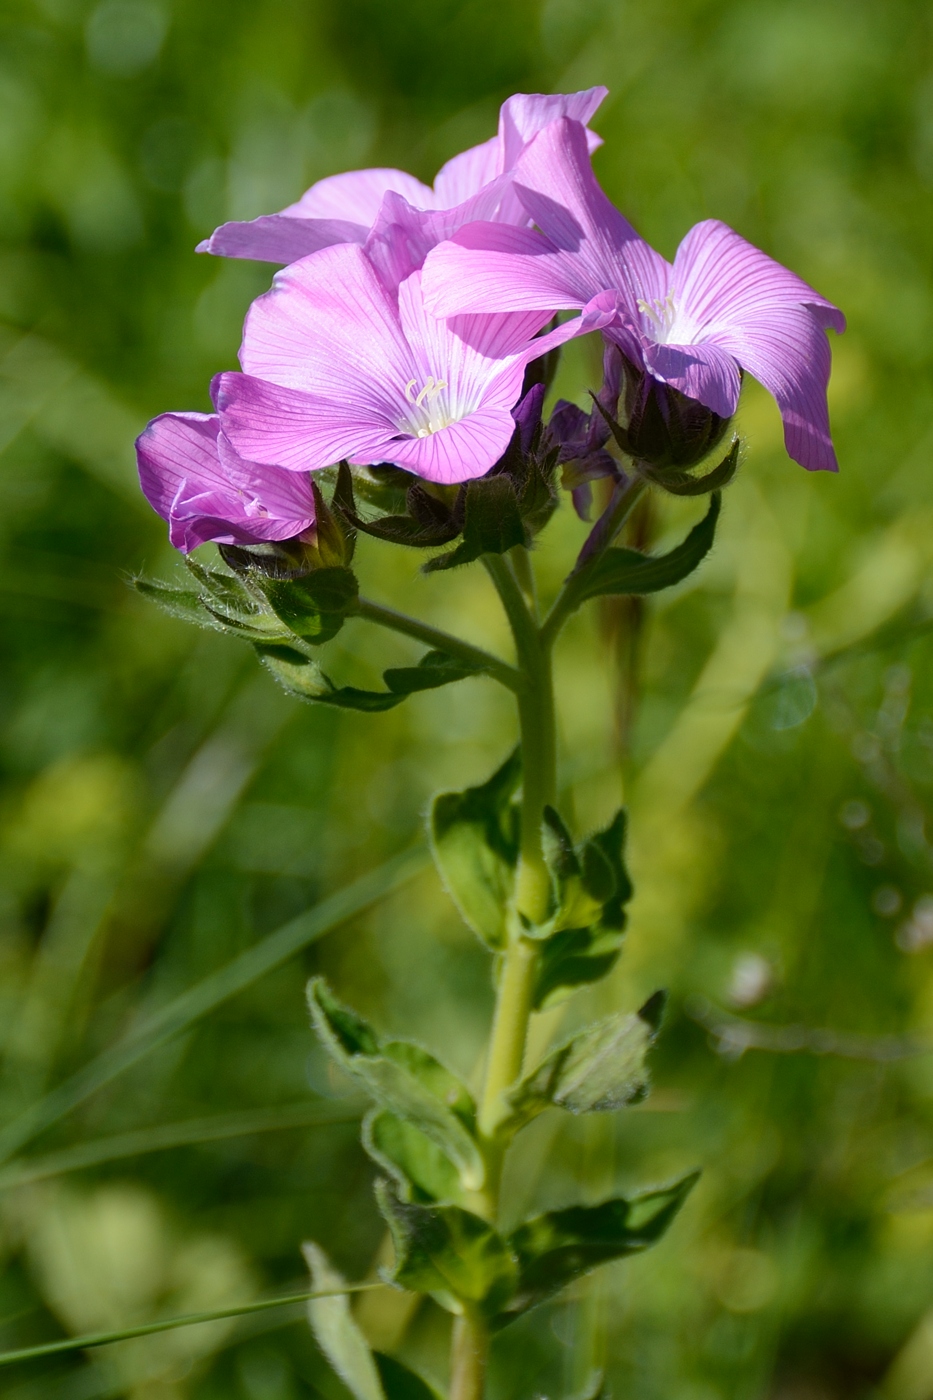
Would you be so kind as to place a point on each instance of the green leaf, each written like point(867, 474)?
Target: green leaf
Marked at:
point(627, 571)
point(475, 839)
point(403, 1078)
point(558, 1247)
point(337, 1334)
point(302, 676)
point(492, 523)
point(399, 1383)
point(582, 939)
point(419, 1168)
point(600, 1068)
point(450, 1253)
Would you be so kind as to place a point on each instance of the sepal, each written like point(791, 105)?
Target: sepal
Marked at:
point(450, 1253)
point(599, 1069)
point(406, 1080)
point(475, 842)
point(554, 1249)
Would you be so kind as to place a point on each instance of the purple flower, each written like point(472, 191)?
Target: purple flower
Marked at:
point(194, 479)
point(722, 306)
point(338, 366)
point(343, 208)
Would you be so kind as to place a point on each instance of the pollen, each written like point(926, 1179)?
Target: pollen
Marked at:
point(662, 312)
point(430, 415)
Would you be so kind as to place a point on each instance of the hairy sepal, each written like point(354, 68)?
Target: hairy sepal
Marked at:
point(409, 1082)
point(601, 1068)
point(475, 842)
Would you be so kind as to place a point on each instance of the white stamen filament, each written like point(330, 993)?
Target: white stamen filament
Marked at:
point(425, 400)
point(663, 313)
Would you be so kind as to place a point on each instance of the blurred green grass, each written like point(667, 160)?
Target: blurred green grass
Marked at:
point(163, 807)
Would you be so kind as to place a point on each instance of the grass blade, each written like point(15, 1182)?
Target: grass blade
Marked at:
point(168, 1324)
point(209, 993)
point(215, 1128)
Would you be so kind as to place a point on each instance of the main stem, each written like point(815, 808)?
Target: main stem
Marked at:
point(514, 995)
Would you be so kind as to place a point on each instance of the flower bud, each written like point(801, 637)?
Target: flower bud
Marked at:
point(665, 429)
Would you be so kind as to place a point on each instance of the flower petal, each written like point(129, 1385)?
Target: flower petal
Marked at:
point(274, 424)
point(721, 279)
point(459, 452)
point(499, 267)
point(789, 353)
point(522, 116)
point(402, 236)
point(556, 184)
point(329, 327)
point(466, 174)
point(356, 195)
point(703, 371)
point(280, 238)
point(184, 480)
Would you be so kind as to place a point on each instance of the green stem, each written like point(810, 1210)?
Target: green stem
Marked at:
point(442, 641)
point(515, 991)
point(609, 525)
point(469, 1353)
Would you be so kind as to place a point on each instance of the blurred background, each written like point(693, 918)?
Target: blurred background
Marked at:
point(164, 809)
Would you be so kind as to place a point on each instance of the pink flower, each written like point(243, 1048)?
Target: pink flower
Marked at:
point(720, 307)
point(343, 208)
point(337, 365)
point(193, 478)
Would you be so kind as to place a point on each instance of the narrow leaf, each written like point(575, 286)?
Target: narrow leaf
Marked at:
point(474, 838)
point(558, 1247)
point(336, 1333)
point(303, 677)
point(627, 571)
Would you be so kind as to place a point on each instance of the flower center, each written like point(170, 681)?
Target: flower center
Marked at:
point(661, 315)
point(432, 409)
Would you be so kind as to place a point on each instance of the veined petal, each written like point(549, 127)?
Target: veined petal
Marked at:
point(280, 238)
point(498, 267)
point(185, 481)
point(273, 424)
point(356, 195)
point(788, 351)
point(522, 116)
point(704, 372)
point(402, 236)
point(330, 328)
point(720, 279)
point(555, 182)
point(466, 174)
point(459, 452)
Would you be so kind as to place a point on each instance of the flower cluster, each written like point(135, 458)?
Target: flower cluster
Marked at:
point(403, 326)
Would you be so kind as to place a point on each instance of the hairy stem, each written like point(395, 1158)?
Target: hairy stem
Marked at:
point(442, 641)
